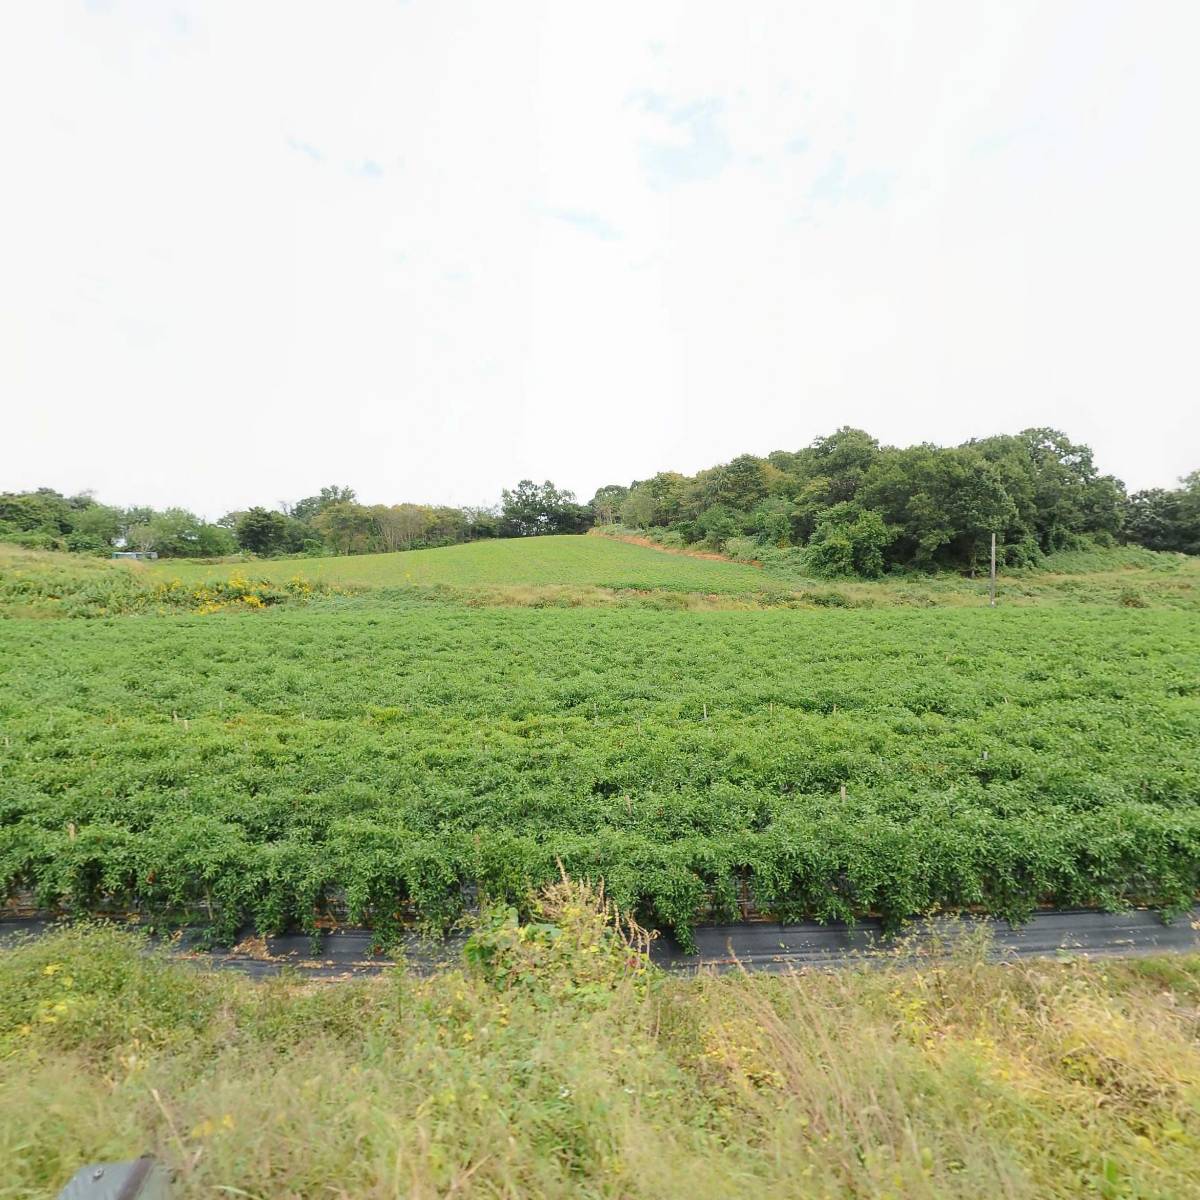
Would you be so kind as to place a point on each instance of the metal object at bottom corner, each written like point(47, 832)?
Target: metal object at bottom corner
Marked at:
point(142, 1178)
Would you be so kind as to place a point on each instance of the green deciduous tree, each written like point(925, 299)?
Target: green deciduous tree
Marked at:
point(402, 526)
point(772, 521)
point(44, 511)
point(718, 523)
point(215, 541)
point(305, 510)
point(345, 526)
point(528, 510)
point(842, 459)
point(171, 533)
point(739, 484)
point(100, 522)
point(261, 531)
point(639, 507)
point(606, 503)
point(943, 503)
point(1166, 518)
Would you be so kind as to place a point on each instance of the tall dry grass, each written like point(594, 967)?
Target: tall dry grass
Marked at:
point(555, 1063)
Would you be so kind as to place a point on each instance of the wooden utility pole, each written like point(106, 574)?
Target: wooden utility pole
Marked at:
point(992, 582)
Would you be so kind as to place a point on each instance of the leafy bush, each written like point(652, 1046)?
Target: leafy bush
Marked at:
point(34, 540)
point(848, 541)
point(577, 946)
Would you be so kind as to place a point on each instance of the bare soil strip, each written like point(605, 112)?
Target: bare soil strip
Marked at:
point(634, 540)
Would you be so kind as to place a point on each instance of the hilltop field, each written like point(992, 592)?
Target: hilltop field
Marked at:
point(563, 561)
point(384, 739)
point(575, 570)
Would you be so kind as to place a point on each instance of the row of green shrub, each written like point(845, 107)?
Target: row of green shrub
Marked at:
point(399, 752)
point(839, 866)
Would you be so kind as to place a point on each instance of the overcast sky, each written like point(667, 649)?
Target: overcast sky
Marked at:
point(430, 248)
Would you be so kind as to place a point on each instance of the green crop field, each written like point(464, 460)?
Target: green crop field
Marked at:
point(568, 561)
point(592, 570)
point(562, 572)
point(382, 755)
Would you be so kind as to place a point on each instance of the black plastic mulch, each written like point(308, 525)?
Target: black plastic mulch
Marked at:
point(752, 946)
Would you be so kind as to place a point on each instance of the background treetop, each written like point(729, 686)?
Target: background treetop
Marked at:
point(845, 503)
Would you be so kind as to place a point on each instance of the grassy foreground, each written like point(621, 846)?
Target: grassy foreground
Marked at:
point(556, 1064)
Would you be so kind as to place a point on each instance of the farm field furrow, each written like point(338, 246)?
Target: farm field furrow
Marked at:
point(397, 754)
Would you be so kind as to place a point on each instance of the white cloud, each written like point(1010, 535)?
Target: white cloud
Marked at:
point(430, 248)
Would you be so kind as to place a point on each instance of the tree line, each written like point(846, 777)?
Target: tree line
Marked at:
point(845, 504)
point(330, 522)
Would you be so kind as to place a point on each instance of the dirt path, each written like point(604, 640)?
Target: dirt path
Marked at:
point(635, 540)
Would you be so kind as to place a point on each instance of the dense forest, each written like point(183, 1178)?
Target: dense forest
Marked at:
point(854, 507)
point(844, 505)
